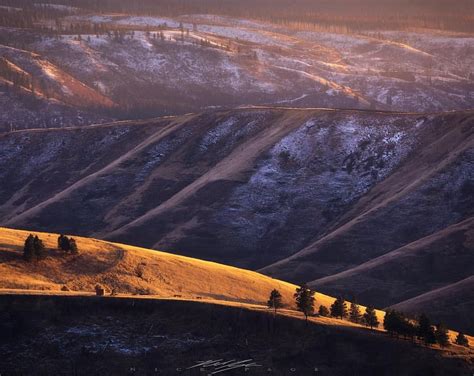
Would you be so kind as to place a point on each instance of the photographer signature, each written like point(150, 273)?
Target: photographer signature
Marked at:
point(220, 366)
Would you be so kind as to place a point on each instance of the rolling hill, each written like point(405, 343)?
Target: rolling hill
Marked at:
point(132, 270)
point(178, 310)
point(299, 194)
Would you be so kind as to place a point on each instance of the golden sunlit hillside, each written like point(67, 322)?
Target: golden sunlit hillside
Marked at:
point(132, 270)
point(127, 270)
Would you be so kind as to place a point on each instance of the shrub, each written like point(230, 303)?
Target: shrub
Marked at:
point(99, 290)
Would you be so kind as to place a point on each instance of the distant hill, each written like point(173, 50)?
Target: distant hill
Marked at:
point(96, 67)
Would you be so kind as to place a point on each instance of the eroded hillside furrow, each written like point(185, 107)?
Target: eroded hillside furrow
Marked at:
point(100, 181)
point(302, 194)
point(427, 264)
point(40, 167)
point(224, 176)
point(451, 304)
point(429, 191)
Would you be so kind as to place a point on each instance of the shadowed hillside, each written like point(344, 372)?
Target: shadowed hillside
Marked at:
point(302, 194)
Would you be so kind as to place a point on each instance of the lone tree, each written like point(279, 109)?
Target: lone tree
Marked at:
point(442, 336)
point(29, 248)
point(461, 340)
point(370, 318)
point(34, 248)
point(323, 311)
point(304, 297)
point(339, 308)
point(354, 313)
point(275, 300)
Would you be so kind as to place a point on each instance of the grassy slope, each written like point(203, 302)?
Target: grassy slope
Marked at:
point(114, 265)
point(165, 276)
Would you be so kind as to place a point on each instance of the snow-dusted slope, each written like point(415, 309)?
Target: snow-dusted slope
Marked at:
point(311, 192)
point(228, 62)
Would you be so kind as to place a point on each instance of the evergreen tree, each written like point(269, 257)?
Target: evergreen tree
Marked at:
point(393, 322)
point(275, 300)
point(354, 313)
point(442, 336)
point(406, 328)
point(40, 250)
point(73, 246)
point(29, 248)
point(461, 340)
point(425, 330)
point(370, 318)
point(339, 308)
point(304, 297)
point(323, 311)
point(430, 338)
point(34, 249)
point(67, 244)
point(63, 244)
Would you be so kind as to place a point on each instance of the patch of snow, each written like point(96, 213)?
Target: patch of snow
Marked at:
point(216, 134)
point(60, 7)
point(149, 21)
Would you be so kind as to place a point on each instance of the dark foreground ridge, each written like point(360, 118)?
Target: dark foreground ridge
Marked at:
point(73, 335)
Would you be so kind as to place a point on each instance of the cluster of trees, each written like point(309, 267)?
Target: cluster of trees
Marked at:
point(26, 14)
point(336, 15)
point(339, 309)
point(34, 249)
point(67, 245)
point(395, 323)
point(305, 301)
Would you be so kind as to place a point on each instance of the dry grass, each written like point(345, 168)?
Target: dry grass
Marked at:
point(134, 270)
point(141, 272)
